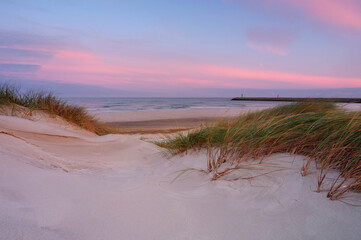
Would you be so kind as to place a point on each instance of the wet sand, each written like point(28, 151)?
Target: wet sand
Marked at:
point(163, 125)
point(167, 121)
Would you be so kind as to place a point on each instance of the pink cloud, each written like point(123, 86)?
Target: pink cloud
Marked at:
point(318, 81)
point(82, 67)
point(275, 41)
point(87, 68)
point(192, 81)
point(84, 62)
point(75, 55)
point(337, 13)
point(341, 13)
point(149, 72)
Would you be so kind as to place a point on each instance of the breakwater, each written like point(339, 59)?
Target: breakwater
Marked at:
point(289, 99)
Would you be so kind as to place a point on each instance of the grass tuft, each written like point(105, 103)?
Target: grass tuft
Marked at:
point(47, 102)
point(324, 133)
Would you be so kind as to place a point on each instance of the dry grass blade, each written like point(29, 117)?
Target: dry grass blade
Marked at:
point(320, 131)
point(47, 102)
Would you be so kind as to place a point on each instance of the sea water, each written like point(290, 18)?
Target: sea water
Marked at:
point(163, 104)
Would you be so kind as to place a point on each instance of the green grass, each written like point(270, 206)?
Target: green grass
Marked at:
point(324, 133)
point(47, 102)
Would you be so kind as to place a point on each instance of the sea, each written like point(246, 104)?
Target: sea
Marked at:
point(96, 105)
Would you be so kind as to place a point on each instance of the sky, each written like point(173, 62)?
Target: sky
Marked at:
point(178, 46)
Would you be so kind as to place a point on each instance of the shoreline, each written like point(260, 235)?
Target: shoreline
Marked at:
point(167, 121)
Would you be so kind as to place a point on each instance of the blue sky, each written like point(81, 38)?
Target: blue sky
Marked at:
point(182, 45)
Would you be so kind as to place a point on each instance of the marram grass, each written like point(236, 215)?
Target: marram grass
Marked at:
point(324, 133)
point(47, 102)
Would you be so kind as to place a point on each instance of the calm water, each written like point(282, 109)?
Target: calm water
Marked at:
point(161, 104)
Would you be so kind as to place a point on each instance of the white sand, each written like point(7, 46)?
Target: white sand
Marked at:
point(58, 183)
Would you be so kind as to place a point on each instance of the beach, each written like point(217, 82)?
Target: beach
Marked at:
point(180, 120)
point(167, 120)
point(61, 182)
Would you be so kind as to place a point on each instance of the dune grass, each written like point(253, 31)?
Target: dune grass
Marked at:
point(320, 131)
point(47, 102)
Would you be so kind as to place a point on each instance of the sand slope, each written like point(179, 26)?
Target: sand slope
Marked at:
point(59, 183)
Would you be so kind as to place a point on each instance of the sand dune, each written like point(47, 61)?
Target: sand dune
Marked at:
point(57, 182)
